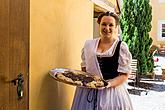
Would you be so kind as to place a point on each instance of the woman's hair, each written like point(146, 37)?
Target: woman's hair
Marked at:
point(108, 14)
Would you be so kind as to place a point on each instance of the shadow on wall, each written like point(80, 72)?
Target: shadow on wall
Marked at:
point(49, 92)
point(53, 96)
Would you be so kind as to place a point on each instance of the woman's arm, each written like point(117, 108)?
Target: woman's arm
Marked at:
point(83, 68)
point(118, 80)
point(124, 67)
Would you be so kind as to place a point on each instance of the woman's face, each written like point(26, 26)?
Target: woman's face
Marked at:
point(108, 27)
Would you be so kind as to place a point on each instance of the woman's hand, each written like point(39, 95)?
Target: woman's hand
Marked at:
point(117, 80)
point(109, 84)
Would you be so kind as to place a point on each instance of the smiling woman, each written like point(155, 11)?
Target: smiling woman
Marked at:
point(109, 58)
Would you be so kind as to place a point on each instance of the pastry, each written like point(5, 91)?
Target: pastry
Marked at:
point(80, 78)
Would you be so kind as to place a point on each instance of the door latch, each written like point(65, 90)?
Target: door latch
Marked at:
point(19, 82)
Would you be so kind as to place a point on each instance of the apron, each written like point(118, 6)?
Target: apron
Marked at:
point(113, 98)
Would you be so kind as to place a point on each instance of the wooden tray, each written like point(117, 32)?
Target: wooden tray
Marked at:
point(77, 78)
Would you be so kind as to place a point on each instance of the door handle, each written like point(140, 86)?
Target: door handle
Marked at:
point(19, 82)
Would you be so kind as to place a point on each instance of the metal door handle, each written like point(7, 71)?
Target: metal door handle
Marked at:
point(19, 82)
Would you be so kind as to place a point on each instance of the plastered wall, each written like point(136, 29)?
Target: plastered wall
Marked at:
point(157, 14)
point(113, 2)
point(58, 30)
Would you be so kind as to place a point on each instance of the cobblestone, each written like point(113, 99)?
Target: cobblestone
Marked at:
point(154, 100)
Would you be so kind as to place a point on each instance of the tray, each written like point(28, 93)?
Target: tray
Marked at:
point(77, 78)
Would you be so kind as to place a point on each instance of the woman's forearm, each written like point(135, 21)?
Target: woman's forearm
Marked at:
point(118, 80)
point(115, 81)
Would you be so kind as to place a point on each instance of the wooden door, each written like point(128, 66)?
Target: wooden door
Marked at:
point(14, 52)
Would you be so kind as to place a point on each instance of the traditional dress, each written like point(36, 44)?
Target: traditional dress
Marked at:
point(106, 65)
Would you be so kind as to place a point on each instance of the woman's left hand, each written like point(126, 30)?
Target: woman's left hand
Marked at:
point(109, 84)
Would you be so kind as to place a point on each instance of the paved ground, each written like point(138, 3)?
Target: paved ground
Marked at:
point(154, 100)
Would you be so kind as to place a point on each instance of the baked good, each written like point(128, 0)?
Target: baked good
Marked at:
point(80, 78)
point(62, 77)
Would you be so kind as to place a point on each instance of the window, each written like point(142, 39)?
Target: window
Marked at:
point(161, 30)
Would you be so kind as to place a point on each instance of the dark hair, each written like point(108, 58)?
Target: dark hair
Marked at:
point(108, 14)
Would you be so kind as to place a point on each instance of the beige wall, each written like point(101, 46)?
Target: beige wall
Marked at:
point(58, 29)
point(157, 14)
point(113, 2)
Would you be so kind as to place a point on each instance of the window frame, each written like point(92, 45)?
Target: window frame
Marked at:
point(160, 37)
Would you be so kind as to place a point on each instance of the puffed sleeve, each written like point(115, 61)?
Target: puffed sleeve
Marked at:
point(125, 59)
point(83, 58)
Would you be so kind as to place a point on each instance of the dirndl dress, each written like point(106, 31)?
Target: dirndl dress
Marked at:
point(106, 65)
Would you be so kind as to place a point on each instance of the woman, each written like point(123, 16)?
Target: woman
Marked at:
point(110, 59)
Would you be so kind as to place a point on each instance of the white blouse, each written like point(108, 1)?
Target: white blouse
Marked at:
point(113, 98)
point(125, 57)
